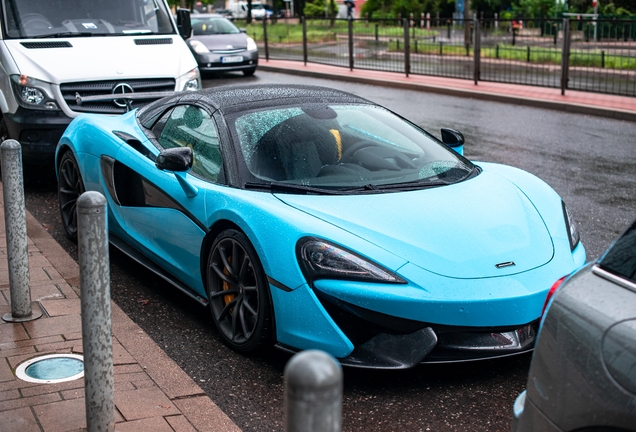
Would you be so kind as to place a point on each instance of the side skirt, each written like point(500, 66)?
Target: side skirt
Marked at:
point(150, 265)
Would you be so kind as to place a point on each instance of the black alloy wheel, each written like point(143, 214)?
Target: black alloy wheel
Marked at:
point(69, 187)
point(238, 292)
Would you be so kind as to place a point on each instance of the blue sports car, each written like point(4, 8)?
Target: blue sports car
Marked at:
point(308, 217)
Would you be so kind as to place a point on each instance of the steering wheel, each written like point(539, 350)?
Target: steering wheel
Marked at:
point(348, 153)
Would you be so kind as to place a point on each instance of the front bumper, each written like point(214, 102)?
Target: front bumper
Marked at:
point(364, 338)
point(387, 342)
point(213, 62)
point(38, 133)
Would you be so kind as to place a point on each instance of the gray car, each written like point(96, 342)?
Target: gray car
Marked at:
point(583, 372)
point(219, 46)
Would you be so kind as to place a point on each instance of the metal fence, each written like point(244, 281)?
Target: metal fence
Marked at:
point(603, 56)
point(600, 55)
point(522, 52)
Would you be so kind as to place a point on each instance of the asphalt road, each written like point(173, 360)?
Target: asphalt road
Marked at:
point(590, 161)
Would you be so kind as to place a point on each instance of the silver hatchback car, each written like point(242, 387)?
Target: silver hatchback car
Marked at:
point(583, 372)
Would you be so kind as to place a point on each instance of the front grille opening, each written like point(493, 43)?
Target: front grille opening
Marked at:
point(360, 324)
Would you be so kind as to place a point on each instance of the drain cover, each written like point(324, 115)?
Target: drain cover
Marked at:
point(52, 368)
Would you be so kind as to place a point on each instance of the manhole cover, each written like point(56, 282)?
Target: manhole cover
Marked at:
point(52, 368)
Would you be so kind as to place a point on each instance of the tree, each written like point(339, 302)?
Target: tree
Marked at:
point(535, 8)
point(316, 8)
point(605, 7)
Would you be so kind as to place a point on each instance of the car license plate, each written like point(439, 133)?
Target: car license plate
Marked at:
point(232, 59)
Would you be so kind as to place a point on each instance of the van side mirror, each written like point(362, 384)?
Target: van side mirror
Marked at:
point(184, 25)
point(454, 139)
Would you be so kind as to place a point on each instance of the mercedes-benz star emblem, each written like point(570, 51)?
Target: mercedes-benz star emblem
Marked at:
point(121, 88)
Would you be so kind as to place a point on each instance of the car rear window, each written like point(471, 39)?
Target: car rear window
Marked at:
point(620, 259)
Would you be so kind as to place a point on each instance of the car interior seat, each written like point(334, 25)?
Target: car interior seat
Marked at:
point(192, 117)
point(296, 148)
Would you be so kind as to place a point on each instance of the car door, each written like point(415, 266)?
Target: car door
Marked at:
point(164, 212)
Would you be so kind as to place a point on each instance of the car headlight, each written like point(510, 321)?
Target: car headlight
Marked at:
point(572, 227)
point(199, 47)
point(251, 45)
point(193, 81)
point(320, 259)
point(32, 93)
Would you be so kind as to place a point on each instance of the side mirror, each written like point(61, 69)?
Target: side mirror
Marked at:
point(178, 159)
point(454, 139)
point(184, 26)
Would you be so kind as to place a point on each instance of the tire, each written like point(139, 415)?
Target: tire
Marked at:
point(238, 292)
point(69, 187)
point(249, 72)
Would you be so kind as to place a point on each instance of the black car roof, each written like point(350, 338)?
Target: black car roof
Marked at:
point(252, 96)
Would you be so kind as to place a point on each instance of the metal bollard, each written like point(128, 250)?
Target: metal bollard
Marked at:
point(17, 246)
point(97, 340)
point(313, 393)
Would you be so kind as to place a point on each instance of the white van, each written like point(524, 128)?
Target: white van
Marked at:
point(51, 50)
point(239, 9)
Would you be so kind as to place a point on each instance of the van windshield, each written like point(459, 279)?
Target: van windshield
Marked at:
point(68, 18)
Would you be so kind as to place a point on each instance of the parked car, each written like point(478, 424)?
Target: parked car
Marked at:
point(310, 218)
point(225, 13)
point(583, 372)
point(219, 46)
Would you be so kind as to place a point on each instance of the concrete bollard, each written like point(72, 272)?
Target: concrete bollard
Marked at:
point(15, 223)
point(97, 340)
point(313, 393)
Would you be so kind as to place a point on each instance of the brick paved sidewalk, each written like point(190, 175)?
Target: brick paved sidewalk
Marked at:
point(151, 392)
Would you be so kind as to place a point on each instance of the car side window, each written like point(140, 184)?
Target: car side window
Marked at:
point(190, 126)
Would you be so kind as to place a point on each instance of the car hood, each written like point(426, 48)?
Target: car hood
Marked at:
point(101, 58)
point(482, 227)
point(223, 42)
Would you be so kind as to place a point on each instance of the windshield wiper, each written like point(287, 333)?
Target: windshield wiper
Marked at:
point(453, 175)
point(67, 34)
point(286, 187)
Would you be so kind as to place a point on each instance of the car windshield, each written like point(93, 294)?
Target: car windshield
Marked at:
point(343, 147)
point(212, 26)
point(68, 18)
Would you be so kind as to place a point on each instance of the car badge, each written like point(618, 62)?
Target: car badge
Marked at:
point(229, 47)
point(121, 88)
point(505, 264)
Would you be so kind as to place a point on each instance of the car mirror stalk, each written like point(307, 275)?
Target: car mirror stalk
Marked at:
point(190, 190)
